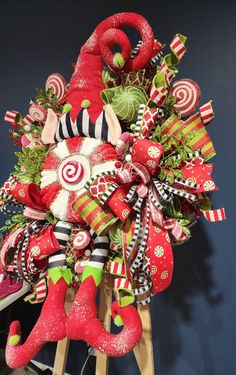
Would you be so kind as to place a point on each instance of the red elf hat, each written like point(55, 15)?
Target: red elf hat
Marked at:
point(86, 82)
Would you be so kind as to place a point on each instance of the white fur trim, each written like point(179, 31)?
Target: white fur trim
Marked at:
point(103, 167)
point(48, 178)
point(61, 150)
point(60, 204)
point(89, 145)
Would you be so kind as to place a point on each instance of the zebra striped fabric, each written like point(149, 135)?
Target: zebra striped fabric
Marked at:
point(67, 128)
point(62, 233)
point(99, 254)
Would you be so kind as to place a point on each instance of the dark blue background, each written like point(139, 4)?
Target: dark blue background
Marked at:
point(194, 321)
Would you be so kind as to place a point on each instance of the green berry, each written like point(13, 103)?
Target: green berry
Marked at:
point(14, 340)
point(67, 107)
point(85, 103)
point(118, 60)
point(118, 321)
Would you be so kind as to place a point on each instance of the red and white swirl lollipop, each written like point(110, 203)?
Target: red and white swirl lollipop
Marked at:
point(187, 93)
point(67, 168)
point(81, 240)
point(57, 83)
point(38, 113)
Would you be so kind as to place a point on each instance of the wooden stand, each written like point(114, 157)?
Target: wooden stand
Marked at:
point(143, 351)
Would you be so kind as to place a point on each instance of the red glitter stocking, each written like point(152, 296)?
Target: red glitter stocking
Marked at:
point(51, 326)
point(83, 324)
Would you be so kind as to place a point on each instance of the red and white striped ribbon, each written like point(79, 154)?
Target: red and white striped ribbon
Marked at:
point(122, 283)
point(176, 229)
point(10, 116)
point(40, 292)
point(158, 95)
point(117, 268)
point(34, 214)
point(207, 113)
point(178, 47)
point(126, 175)
point(215, 215)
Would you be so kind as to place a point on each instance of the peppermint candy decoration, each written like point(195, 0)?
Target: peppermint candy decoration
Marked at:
point(38, 113)
point(81, 240)
point(68, 167)
point(57, 83)
point(209, 185)
point(187, 93)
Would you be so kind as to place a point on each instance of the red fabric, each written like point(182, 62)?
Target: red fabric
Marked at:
point(28, 195)
point(43, 244)
point(117, 203)
point(102, 153)
point(51, 326)
point(86, 82)
point(49, 193)
point(159, 252)
point(83, 324)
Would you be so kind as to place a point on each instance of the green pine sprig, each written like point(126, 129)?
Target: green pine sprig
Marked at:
point(29, 164)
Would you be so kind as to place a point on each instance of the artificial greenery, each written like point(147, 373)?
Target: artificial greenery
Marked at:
point(16, 221)
point(174, 145)
point(48, 99)
point(29, 164)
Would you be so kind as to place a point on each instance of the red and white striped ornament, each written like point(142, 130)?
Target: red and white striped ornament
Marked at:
point(187, 94)
point(215, 215)
point(37, 112)
point(207, 113)
point(57, 83)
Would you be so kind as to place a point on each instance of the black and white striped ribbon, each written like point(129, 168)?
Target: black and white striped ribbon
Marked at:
point(142, 242)
point(189, 155)
point(157, 203)
point(9, 203)
point(138, 204)
point(100, 252)
point(131, 194)
point(134, 239)
point(136, 49)
point(187, 183)
point(144, 280)
point(180, 193)
point(160, 189)
point(139, 120)
point(22, 246)
point(67, 128)
point(108, 193)
point(156, 58)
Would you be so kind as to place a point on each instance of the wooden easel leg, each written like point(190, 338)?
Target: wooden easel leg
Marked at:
point(144, 349)
point(63, 345)
point(102, 362)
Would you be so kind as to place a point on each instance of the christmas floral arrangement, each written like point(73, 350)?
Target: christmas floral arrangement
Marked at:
point(113, 172)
